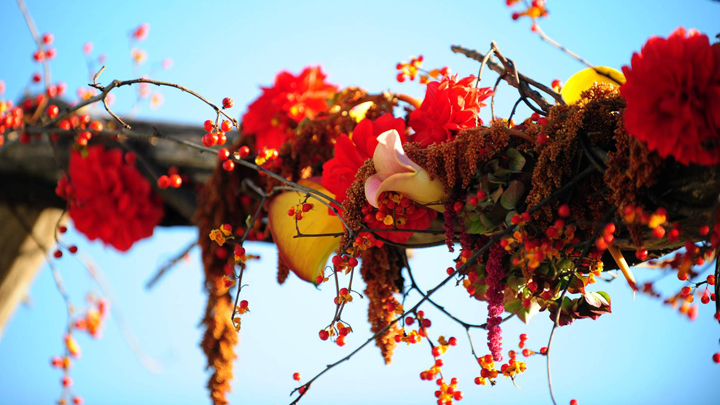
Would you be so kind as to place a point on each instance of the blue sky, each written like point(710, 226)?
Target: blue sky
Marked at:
point(642, 353)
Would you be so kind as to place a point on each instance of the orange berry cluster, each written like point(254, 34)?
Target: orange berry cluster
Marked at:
point(488, 372)
point(298, 210)
point(268, 155)
point(446, 393)
point(240, 310)
point(536, 9)
point(339, 329)
point(222, 234)
point(413, 68)
point(91, 323)
point(693, 255)
point(415, 335)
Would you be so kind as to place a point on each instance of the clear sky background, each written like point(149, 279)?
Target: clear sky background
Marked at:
point(643, 353)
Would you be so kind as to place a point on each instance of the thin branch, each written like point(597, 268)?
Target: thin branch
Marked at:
point(554, 43)
point(588, 245)
point(497, 68)
point(169, 265)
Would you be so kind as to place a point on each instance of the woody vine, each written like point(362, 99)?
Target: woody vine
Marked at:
point(611, 169)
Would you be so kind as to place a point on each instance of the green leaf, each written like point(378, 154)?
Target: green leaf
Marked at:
point(475, 227)
point(513, 306)
point(495, 196)
point(597, 300)
point(606, 296)
point(512, 196)
point(527, 313)
point(515, 282)
point(517, 160)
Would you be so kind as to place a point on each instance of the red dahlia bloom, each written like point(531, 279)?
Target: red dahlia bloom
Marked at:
point(110, 199)
point(350, 154)
point(449, 105)
point(673, 97)
point(273, 115)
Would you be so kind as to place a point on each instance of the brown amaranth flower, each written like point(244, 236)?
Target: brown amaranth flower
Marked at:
point(593, 121)
point(381, 271)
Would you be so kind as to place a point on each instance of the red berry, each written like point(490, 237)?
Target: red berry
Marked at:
point(78, 400)
point(226, 126)
point(222, 138)
point(641, 254)
point(52, 111)
point(659, 232)
point(175, 181)
point(223, 154)
point(210, 139)
point(352, 262)
point(340, 341)
point(343, 291)
point(67, 381)
point(711, 279)
point(564, 211)
point(62, 229)
point(458, 395)
point(48, 38)
point(716, 357)
point(73, 249)
point(36, 77)
point(228, 165)
point(573, 402)
point(400, 77)
point(426, 323)
point(452, 341)
point(163, 181)
point(307, 207)
point(243, 304)
point(704, 230)
point(296, 376)
point(473, 201)
point(96, 126)
point(458, 206)
point(227, 102)
point(208, 126)
point(481, 195)
point(409, 320)
point(523, 336)
point(57, 254)
point(324, 335)
point(244, 152)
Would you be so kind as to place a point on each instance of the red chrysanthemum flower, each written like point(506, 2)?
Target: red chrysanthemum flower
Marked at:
point(350, 154)
point(673, 97)
point(275, 113)
point(449, 105)
point(110, 199)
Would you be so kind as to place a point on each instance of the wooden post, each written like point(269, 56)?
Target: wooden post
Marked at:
point(20, 253)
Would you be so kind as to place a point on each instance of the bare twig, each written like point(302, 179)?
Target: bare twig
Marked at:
point(499, 69)
point(169, 265)
point(588, 245)
point(554, 43)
